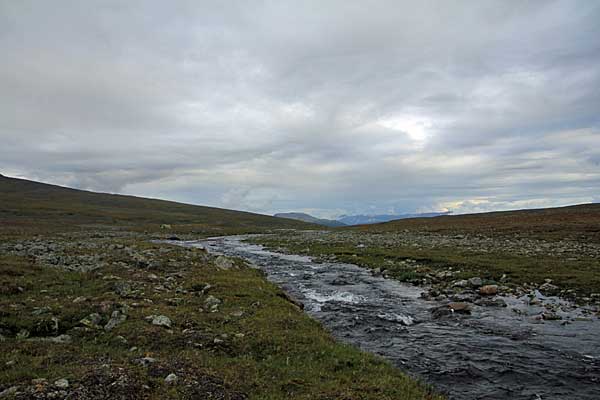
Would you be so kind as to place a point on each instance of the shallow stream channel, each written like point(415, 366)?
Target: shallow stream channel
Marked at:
point(493, 353)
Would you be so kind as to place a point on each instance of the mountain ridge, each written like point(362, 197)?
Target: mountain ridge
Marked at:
point(310, 219)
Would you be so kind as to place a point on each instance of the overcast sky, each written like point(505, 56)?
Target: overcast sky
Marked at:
point(328, 107)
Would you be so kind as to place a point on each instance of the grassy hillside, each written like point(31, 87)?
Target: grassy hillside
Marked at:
point(24, 202)
point(580, 222)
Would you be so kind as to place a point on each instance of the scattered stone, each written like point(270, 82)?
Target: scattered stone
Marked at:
point(145, 361)
point(548, 288)
point(461, 284)
point(61, 383)
point(212, 303)
point(550, 316)
point(459, 307)
point(224, 263)
point(488, 290)
point(160, 320)
point(41, 310)
point(171, 379)
point(450, 309)
point(123, 289)
point(92, 321)
point(488, 302)
point(9, 392)
point(475, 282)
point(79, 299)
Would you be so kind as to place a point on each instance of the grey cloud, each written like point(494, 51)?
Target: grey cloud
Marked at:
point(329, 106)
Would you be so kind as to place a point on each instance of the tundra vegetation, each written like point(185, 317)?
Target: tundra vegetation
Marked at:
point(554, 250)
point(94, 305)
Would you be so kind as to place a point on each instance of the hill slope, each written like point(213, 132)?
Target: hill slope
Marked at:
point(376, 219)
point(23, 202)
point(310, 219)
point(579, 222)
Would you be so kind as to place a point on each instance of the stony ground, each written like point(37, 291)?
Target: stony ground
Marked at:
point(466, 268)
point(111, 314)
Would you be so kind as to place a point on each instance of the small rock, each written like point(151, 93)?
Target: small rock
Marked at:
point(116, 318)
point(461, 284)
point(61, 339)
point(92, 320)
point(171, 378)
point(145, 361)
point(548, 287)
point(61, 383)
point(460, 307)
point(79, 299)
point(212, 302)
point(550, 316)
point(223, 262)
point(489, 302)
point(9, 392)
point(475, 282)
point(488, 290)
point(41, 310)
point(160, 320)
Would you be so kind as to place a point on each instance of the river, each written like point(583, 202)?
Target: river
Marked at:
point(494, 353)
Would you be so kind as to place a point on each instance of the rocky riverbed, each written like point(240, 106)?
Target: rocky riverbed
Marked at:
point(474, 340)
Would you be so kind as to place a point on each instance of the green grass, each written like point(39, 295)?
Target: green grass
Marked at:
point(581, 276)
point(283, 353)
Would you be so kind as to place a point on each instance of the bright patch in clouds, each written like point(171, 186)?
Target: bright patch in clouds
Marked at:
point(418, 129)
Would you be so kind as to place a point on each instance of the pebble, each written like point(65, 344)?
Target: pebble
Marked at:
point(61, 383)
point(171, 378)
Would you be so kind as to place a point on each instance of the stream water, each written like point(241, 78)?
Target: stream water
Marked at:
point(494, 353)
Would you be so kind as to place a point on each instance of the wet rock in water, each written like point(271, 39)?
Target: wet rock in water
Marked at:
point(171, 379)
point(450, 309)
point(160, 320)
point(548, 288)
point(174, 238)
point(461, 284)
point(115, 319)
point(550, 316)
point(488, 290)
point(464, 297)
point(224, 263)
point(393, 317)
point(475, 282)
point(491, 302)
point(460, 307)
point(377, 271)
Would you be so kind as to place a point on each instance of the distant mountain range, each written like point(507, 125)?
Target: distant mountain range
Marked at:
point(375, 219)
point(309, 218)
point(346, 220)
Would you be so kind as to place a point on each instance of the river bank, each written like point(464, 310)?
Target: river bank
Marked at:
point(94, 314)
point(482, 351)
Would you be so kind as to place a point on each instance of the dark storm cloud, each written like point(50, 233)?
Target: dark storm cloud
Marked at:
point(333, 107)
